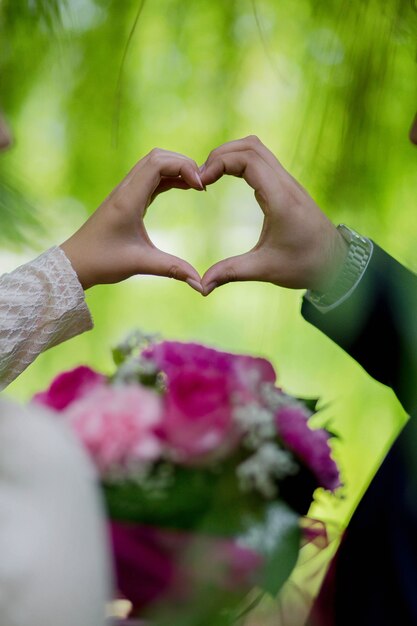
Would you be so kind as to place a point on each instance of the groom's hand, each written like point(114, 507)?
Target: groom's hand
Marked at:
point(298, 246)
point(113, 243)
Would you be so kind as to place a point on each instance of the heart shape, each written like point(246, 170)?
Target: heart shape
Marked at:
point(298, 246)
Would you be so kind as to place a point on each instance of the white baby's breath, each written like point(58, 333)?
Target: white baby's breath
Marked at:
point(257, 422)
point(264, 468)
point(134, 471)
point(275, 399)
point(133, 369)
point(135, 340)
point(265, 537)
point(157, 484)
point(153, 481)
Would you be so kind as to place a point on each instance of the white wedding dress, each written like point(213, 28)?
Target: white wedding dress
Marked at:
point(54, 558)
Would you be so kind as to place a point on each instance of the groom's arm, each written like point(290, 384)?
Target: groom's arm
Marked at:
point(377, 325)
point(300, 248)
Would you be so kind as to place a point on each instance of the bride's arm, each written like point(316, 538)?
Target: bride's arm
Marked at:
point(42, 302)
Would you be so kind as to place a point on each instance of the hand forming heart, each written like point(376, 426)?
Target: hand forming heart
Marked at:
point(298, 246)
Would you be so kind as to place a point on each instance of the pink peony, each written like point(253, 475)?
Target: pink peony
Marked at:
point(311, 446)
point(68, 387)
point(117, 425)
point(243, 372)
point(203, 388)
point(198, 415)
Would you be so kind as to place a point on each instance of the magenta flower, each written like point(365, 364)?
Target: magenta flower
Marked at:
point(309, 445)
point(203, 387)
point(117, 426)
point(153, 564)
point(242, 372)
point(68, 387)
point(198, 415)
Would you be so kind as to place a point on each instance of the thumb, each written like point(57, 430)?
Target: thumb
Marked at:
point(236, 268)
point(164, 264)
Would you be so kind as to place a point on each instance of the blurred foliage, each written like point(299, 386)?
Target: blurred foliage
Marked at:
point(32, 12)
point(18, 218)
point(90, 86)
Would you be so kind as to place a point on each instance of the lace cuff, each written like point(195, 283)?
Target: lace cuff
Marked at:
point(41, 305)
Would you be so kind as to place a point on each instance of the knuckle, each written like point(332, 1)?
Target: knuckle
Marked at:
point(155, 154)
point(174, 271)
point(230, 275)
point(118, 203)
point(212, 155)
point(254, 140)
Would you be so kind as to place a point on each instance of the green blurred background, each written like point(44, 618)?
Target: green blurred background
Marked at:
point(90, 86)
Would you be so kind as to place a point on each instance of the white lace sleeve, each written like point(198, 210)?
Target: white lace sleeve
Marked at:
point(41, 304)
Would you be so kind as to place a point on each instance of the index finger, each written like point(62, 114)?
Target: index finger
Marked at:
point(246, 164)
point(141, 183)
point(252, 142)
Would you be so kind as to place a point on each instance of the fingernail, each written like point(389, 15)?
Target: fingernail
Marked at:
point(202, 168)
point(210, 287)
point(195, 285)
point(199, 181)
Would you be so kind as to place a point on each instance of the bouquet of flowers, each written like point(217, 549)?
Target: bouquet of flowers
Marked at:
point(207, 468)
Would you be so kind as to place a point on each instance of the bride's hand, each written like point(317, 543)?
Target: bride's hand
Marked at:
point(298, 246)
point(113, 243)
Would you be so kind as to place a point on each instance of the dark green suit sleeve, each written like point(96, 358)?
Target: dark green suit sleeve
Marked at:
point(373, 576)
point(377, 325)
